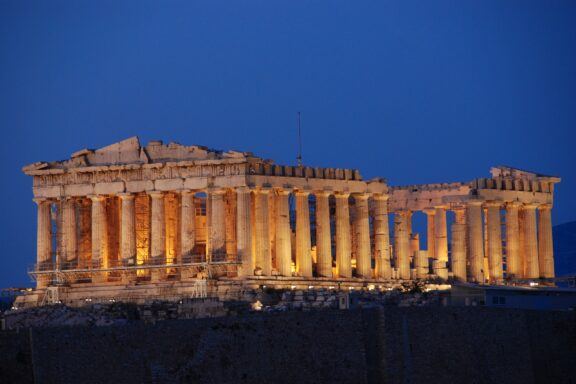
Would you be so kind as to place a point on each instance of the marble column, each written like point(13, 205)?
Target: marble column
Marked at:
point(244, 231)
point(157, 234)
point(401, 244)
point(513, 263)
point(217, 232)
point(187, 227)
point(441, 237)
point(127, 230)
point(494, 235)
point(475, 240)
point(343, 238)
point(431, 232)
point(545, 249)
point(531, 245)
point(69, 231)
point(362, 226)
point(522, 242)
point(323, 239)
point(421, 264)
point(459, 252)
point(262, 238)
point(99, 238)
point(283, 234)
point(381, 237)
point(43, 240)
point(303, 245)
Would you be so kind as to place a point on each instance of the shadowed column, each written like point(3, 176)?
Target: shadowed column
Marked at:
point(323, 242)
point(187, 226)
point(283, 234)
point(431, 232)
point(303, 246)
point(531, 245)
point(99, 233)
point(157, 235)
point(494, 242)
point(475, 240)
point(401, 244)
point(363, 254)
point(545, 246)
point(381, 237)
point(441, 237)
point(263, 254)
point(513, 263)
point(343, 240)
point(69, 232)
point(43, 240)
point(244, 231)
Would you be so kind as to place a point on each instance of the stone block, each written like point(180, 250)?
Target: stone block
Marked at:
point(109, 188)
point(139, 186)
point(169, 184)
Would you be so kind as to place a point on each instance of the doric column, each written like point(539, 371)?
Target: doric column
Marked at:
point(263, 254)
point(303, 246)
point(494, 241)
point(441, 241)
point(343, 240)
point(513, 262)
point(99, 240)
point(421, 264)
point(401, 244)
point(187, 226)
point(362, 227)
point(475, 240)
point(414, 245)
point(244, 231)
point(157, 234)
point(323, 239)
point(127, 230)
point(531, 245)
point(459, 252)
point(545, 249)
point(69, 232)
point(43, 240)
point(522, 242)
point(283, 234)
point(381, 237)
point(217, 230)
point(431, 232)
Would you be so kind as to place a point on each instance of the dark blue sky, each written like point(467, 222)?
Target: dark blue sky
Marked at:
point(413, 91)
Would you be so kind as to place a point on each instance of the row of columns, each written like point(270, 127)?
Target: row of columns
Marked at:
point(253, 257)
point(528, 242)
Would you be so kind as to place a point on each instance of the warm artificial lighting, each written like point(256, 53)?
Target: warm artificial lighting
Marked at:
point(257, 306)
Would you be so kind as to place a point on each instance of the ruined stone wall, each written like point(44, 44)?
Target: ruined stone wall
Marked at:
point(391, 344)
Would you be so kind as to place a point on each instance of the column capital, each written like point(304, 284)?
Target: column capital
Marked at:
point(40, 200)
point(402, 212)
point(476, 203)
point(243, 189)
point(513, 204)
point(530, 206)
point(156, 194)
point(381, 196)
point(126, 196)
point(282, 192)
point(186, 192)
point(493, 203)
point(96, 198)
point(441, 206)
point(361, 195)
point(429, 211)
point(263, 190)
point(546, 206)
point(300, 192)
point(323, 193)
point(342, 195)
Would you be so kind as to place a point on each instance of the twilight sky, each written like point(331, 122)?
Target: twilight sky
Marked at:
point(413, 91)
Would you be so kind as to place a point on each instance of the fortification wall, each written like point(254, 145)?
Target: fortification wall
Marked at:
point(392, 345)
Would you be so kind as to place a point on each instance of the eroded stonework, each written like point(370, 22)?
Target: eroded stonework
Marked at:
point(128, 216)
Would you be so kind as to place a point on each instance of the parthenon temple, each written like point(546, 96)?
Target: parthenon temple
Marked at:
point(168, 215)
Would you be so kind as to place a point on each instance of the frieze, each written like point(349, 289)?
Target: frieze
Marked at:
point(160, 173)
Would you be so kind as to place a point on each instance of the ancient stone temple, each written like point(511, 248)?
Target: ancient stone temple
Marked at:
point(167, 220)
